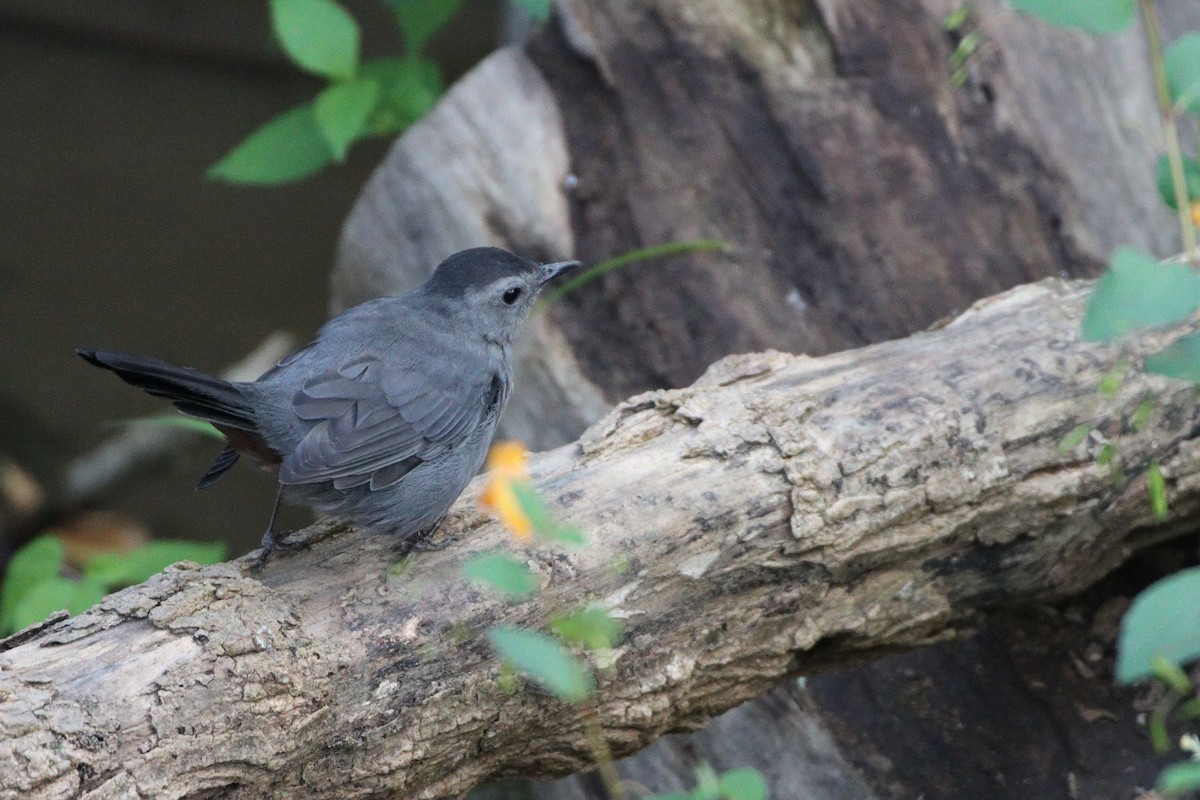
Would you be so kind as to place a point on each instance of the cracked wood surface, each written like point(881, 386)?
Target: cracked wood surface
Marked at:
point(782, 515)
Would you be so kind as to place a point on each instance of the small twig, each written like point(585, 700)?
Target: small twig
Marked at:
point(1166, 110)
point(604, 760)
point(625, 259)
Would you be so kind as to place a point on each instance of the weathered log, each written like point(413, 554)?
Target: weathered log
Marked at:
point(825, 138)
point(783, 515)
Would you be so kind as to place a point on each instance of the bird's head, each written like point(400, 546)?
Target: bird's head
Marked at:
point(492, 289)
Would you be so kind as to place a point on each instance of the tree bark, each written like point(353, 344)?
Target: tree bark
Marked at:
point(781, 516)
point(866, 194)
point(826, 140)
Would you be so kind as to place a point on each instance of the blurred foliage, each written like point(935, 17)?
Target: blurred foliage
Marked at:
point(501, 573)
point(656, 251)
point(181, 421)
point(36, 582)
point(1096, 16)
point(1151, 628)
point(377, 97)
point(545, 660)
point(737, 784)
point(1160, 634)
point(1136, 293)
point(558, 660)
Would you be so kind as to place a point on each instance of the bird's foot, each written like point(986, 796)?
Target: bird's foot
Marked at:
point(272, 541)
point(421, 541)
point(426, 544)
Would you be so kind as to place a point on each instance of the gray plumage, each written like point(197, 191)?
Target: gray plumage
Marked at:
point(388, 414)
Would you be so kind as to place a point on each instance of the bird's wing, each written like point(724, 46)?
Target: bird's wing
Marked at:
point(374, 422)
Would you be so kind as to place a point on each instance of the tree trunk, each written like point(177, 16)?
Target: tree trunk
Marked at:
point(781, 516)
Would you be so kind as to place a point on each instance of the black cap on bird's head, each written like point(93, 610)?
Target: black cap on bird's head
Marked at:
point(490, 291)
point(480, 267)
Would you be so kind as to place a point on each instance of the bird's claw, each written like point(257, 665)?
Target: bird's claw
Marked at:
point(272, 541)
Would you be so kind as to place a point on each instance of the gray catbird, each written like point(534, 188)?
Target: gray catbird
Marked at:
point(389, 413)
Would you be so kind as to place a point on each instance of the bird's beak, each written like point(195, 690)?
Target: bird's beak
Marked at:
point(550, 271)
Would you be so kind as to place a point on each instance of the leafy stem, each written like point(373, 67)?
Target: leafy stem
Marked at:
point(600, 751)
point(625, 259)
point(1170, 125)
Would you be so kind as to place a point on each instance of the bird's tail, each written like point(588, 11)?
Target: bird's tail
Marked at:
point(192, 391)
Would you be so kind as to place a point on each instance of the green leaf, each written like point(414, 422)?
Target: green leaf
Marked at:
point(1179, 778)
point(965, 49)
point(126, 569)
point(569, 535)
point(503, 573)
point(87, 593)
point(180, 421)
point(319, 35)
point(286, 148)
point(1164, 620)
point(1141, 414)
point(1156, 727)
point(544, 660)
point(708, 787)
point(1157, 489)
point(957, 18)
point(592, 627)
point(508, 681)
point(743, 784)
point(342, 111)
point(409, 88)
point(397, 571)
point(671, 796)
point(544, 525)
point(538, 9)
point(1180, 359)
point(419, 20)
point(533, 506)
point(1113, 379)
point(1189, 709)
point(1166, 184)
point(1094, 16)
point(43, 599)
point(1106, 455)
point(38, 561)
point(1182, 62)
point(1074, 437)
point(1172, 675)
point(1137, 292)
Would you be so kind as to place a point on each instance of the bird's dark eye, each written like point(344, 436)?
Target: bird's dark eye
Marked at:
point(511, 295)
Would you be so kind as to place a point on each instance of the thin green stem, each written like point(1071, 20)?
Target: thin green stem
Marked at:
point(1167, 111)
point(641, 254)
point(1156, 726)
point(604, 759)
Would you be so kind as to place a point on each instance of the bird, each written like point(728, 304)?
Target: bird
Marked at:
point(386, 416)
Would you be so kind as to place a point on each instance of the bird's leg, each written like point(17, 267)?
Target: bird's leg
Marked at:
point(419, 541)
point(272, 538)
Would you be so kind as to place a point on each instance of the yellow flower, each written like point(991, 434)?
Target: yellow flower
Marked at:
point(1196, 213)
point(507, 463)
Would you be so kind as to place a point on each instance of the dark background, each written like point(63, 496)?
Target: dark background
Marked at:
point(112, 237)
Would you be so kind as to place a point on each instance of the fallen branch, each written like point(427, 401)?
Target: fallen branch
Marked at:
point(783, 515)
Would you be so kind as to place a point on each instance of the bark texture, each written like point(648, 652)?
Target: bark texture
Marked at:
point(867, 196)
point(781, 516)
